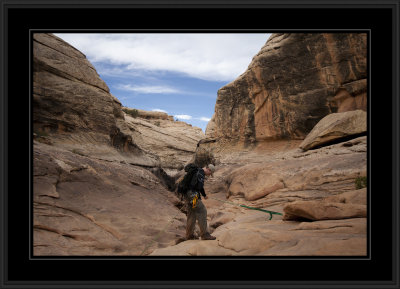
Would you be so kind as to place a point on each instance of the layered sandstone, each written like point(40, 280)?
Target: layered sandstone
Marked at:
point(173, 142)
point(68, 94)
point(294, 81)
point(73, 108)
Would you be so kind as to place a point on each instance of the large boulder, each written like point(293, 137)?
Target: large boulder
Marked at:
point(316, 210)
point(254, 181)
point(336, 127)
point(350, 204)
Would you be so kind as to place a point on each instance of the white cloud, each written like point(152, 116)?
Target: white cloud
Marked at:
point(206, 119)
point(183, 116)
point(217, 57)
point(159, 110)
point(148, 89)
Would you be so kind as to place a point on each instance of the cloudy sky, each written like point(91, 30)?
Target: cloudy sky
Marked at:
point(179, 74)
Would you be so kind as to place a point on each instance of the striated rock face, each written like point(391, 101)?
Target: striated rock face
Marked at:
point(173, 142)
point(68, 94)
point(293, 82)
point(73, 109)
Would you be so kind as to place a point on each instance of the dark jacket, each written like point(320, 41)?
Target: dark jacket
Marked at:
point(197, 182)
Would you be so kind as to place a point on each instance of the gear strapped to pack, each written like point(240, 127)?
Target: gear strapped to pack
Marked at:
point(193, 198)
point(194, 201)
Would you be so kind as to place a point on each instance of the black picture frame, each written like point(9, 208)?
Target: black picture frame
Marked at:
point(380, 19)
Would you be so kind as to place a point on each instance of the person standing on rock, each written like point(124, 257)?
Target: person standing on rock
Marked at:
point(195, 207)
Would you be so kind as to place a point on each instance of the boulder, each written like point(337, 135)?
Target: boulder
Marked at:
point(317, 210)
point(254, 182)
point(336, 127)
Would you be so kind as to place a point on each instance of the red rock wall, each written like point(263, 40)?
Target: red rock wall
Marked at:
point(290, 85)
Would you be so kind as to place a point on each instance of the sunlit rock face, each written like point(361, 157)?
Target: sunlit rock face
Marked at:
point(293, 82)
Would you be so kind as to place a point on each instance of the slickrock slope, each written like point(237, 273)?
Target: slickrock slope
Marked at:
point(174, 142)
point(293, 82)
point(324, 214)
point(86, 206)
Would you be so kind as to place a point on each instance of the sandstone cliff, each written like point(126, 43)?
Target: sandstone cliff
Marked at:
point(293, 82)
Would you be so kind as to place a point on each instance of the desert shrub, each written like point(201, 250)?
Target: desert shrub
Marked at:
point(361, 182)
point(132, 112)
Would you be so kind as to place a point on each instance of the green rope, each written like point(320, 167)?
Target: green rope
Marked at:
point(170, 222)
point(251, 208)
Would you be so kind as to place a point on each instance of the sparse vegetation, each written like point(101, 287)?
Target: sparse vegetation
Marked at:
point(132, 112)
point(157, 123)
point(361, 182)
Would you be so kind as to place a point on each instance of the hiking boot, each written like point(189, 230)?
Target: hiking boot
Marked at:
point(208, 237)
point(192, 237)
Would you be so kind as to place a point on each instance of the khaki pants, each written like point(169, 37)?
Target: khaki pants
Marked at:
point(198, 213)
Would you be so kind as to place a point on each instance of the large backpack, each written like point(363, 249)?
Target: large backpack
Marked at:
point(185, 184)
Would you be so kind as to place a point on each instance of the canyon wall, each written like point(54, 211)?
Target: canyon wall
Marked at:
point(102, 180)
point(74, 109)
point(293, 82)
point(99, 173)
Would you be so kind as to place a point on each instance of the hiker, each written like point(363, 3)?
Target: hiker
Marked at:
point(195, 207)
